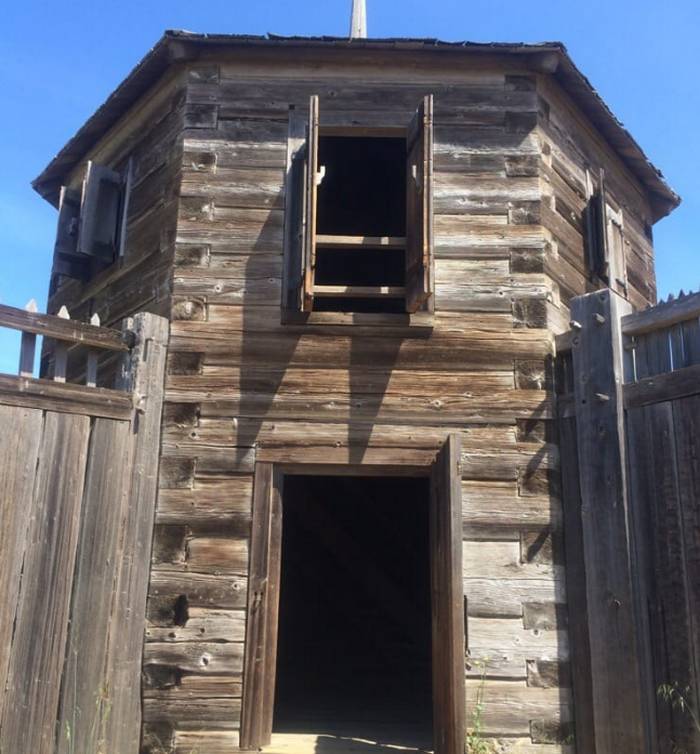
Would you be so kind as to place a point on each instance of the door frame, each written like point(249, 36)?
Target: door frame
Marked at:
point(447, 612)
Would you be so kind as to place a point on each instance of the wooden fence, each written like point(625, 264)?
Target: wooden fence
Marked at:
point(78, 467)
point(628, 388)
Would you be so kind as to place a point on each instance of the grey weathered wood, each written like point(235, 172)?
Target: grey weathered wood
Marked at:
point(294, 203)
point(310, 206)
point(667, 386)
point(419, 207)
point(261, 611)
point(19, 447)
point(447, 597)
point(27, 351)
point(86, 698)
point(68, 220)
point(576, 588)
point(65, 397)
point(618, 711)
point(62, 329)
point(36, 663)
point(686, 544)
point(145, 378)
point(662, 316)
point(99, 212)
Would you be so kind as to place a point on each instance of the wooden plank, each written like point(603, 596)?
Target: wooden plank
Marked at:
point(19, 448)
point(293, 276)
point(67, 330)
point(618, 710)
point(420, 274)
point(199, 589)
point(212, 742)
point(447, 600)
point(353, 242)
point(36, 663)
point(359, 291)
point(203, 624)
point(576, 587)
point(145, 380)
point(85, 701)
point(686, 418)
point(653, 486)
point(204, 658)
point(27, 351)
point(65, 397)
point(662, 315)
point(670, 386)
point(310, 205)
point(261, 591)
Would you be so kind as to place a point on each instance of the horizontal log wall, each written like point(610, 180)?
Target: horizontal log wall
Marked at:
point(569, 148)
point(242, 386)
point(150, 134)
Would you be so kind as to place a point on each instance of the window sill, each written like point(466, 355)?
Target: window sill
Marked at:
point(418, 322)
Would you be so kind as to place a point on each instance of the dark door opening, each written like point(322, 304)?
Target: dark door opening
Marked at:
point(354, 642)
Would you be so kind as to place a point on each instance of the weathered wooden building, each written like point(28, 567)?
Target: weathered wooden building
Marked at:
point(365, 250)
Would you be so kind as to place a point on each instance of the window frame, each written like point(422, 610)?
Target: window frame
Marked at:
point(300, 214)
point(74, 255)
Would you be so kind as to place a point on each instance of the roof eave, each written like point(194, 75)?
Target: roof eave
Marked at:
point(175, 46)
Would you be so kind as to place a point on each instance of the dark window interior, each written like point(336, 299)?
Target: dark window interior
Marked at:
point(363, 267)
point(354, 647)
point(363, 192)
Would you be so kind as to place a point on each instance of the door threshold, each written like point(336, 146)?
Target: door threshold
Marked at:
point(327, 742)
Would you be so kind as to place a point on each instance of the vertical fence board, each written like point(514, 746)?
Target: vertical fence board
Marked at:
point(654, 495)
point(146, 376)
point(686, 414)
point(85, 703)
point(36, 663)
point(19, 448)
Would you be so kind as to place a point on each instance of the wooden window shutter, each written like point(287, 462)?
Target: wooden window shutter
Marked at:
point(312, 179)
point(67, 260)
point(419, 207)
point(294, 213)
point(596, 231)
point(617, 264)
point(100, 212)
point(68, 222)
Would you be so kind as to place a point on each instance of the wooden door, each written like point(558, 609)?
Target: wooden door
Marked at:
point(447, 600)
point(263, 608)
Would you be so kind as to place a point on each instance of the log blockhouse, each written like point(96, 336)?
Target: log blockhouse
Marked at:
point(365, 249)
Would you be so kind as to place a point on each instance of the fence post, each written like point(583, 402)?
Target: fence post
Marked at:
point(620, 718)
point(144, 376)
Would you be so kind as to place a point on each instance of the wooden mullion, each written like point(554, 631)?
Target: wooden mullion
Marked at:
point(359, 291)
point(372, 242)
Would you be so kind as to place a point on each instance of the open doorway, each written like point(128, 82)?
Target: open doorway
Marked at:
point(354, 641)
point(369, 631)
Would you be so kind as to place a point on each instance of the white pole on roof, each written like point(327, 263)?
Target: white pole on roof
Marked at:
point(358, 20)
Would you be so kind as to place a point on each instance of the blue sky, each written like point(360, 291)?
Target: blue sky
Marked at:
point(59, 61)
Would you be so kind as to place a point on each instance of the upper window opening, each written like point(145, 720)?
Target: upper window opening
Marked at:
point(360, 217)
point(605, 240)
point(91, 222)
point(363, 189)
